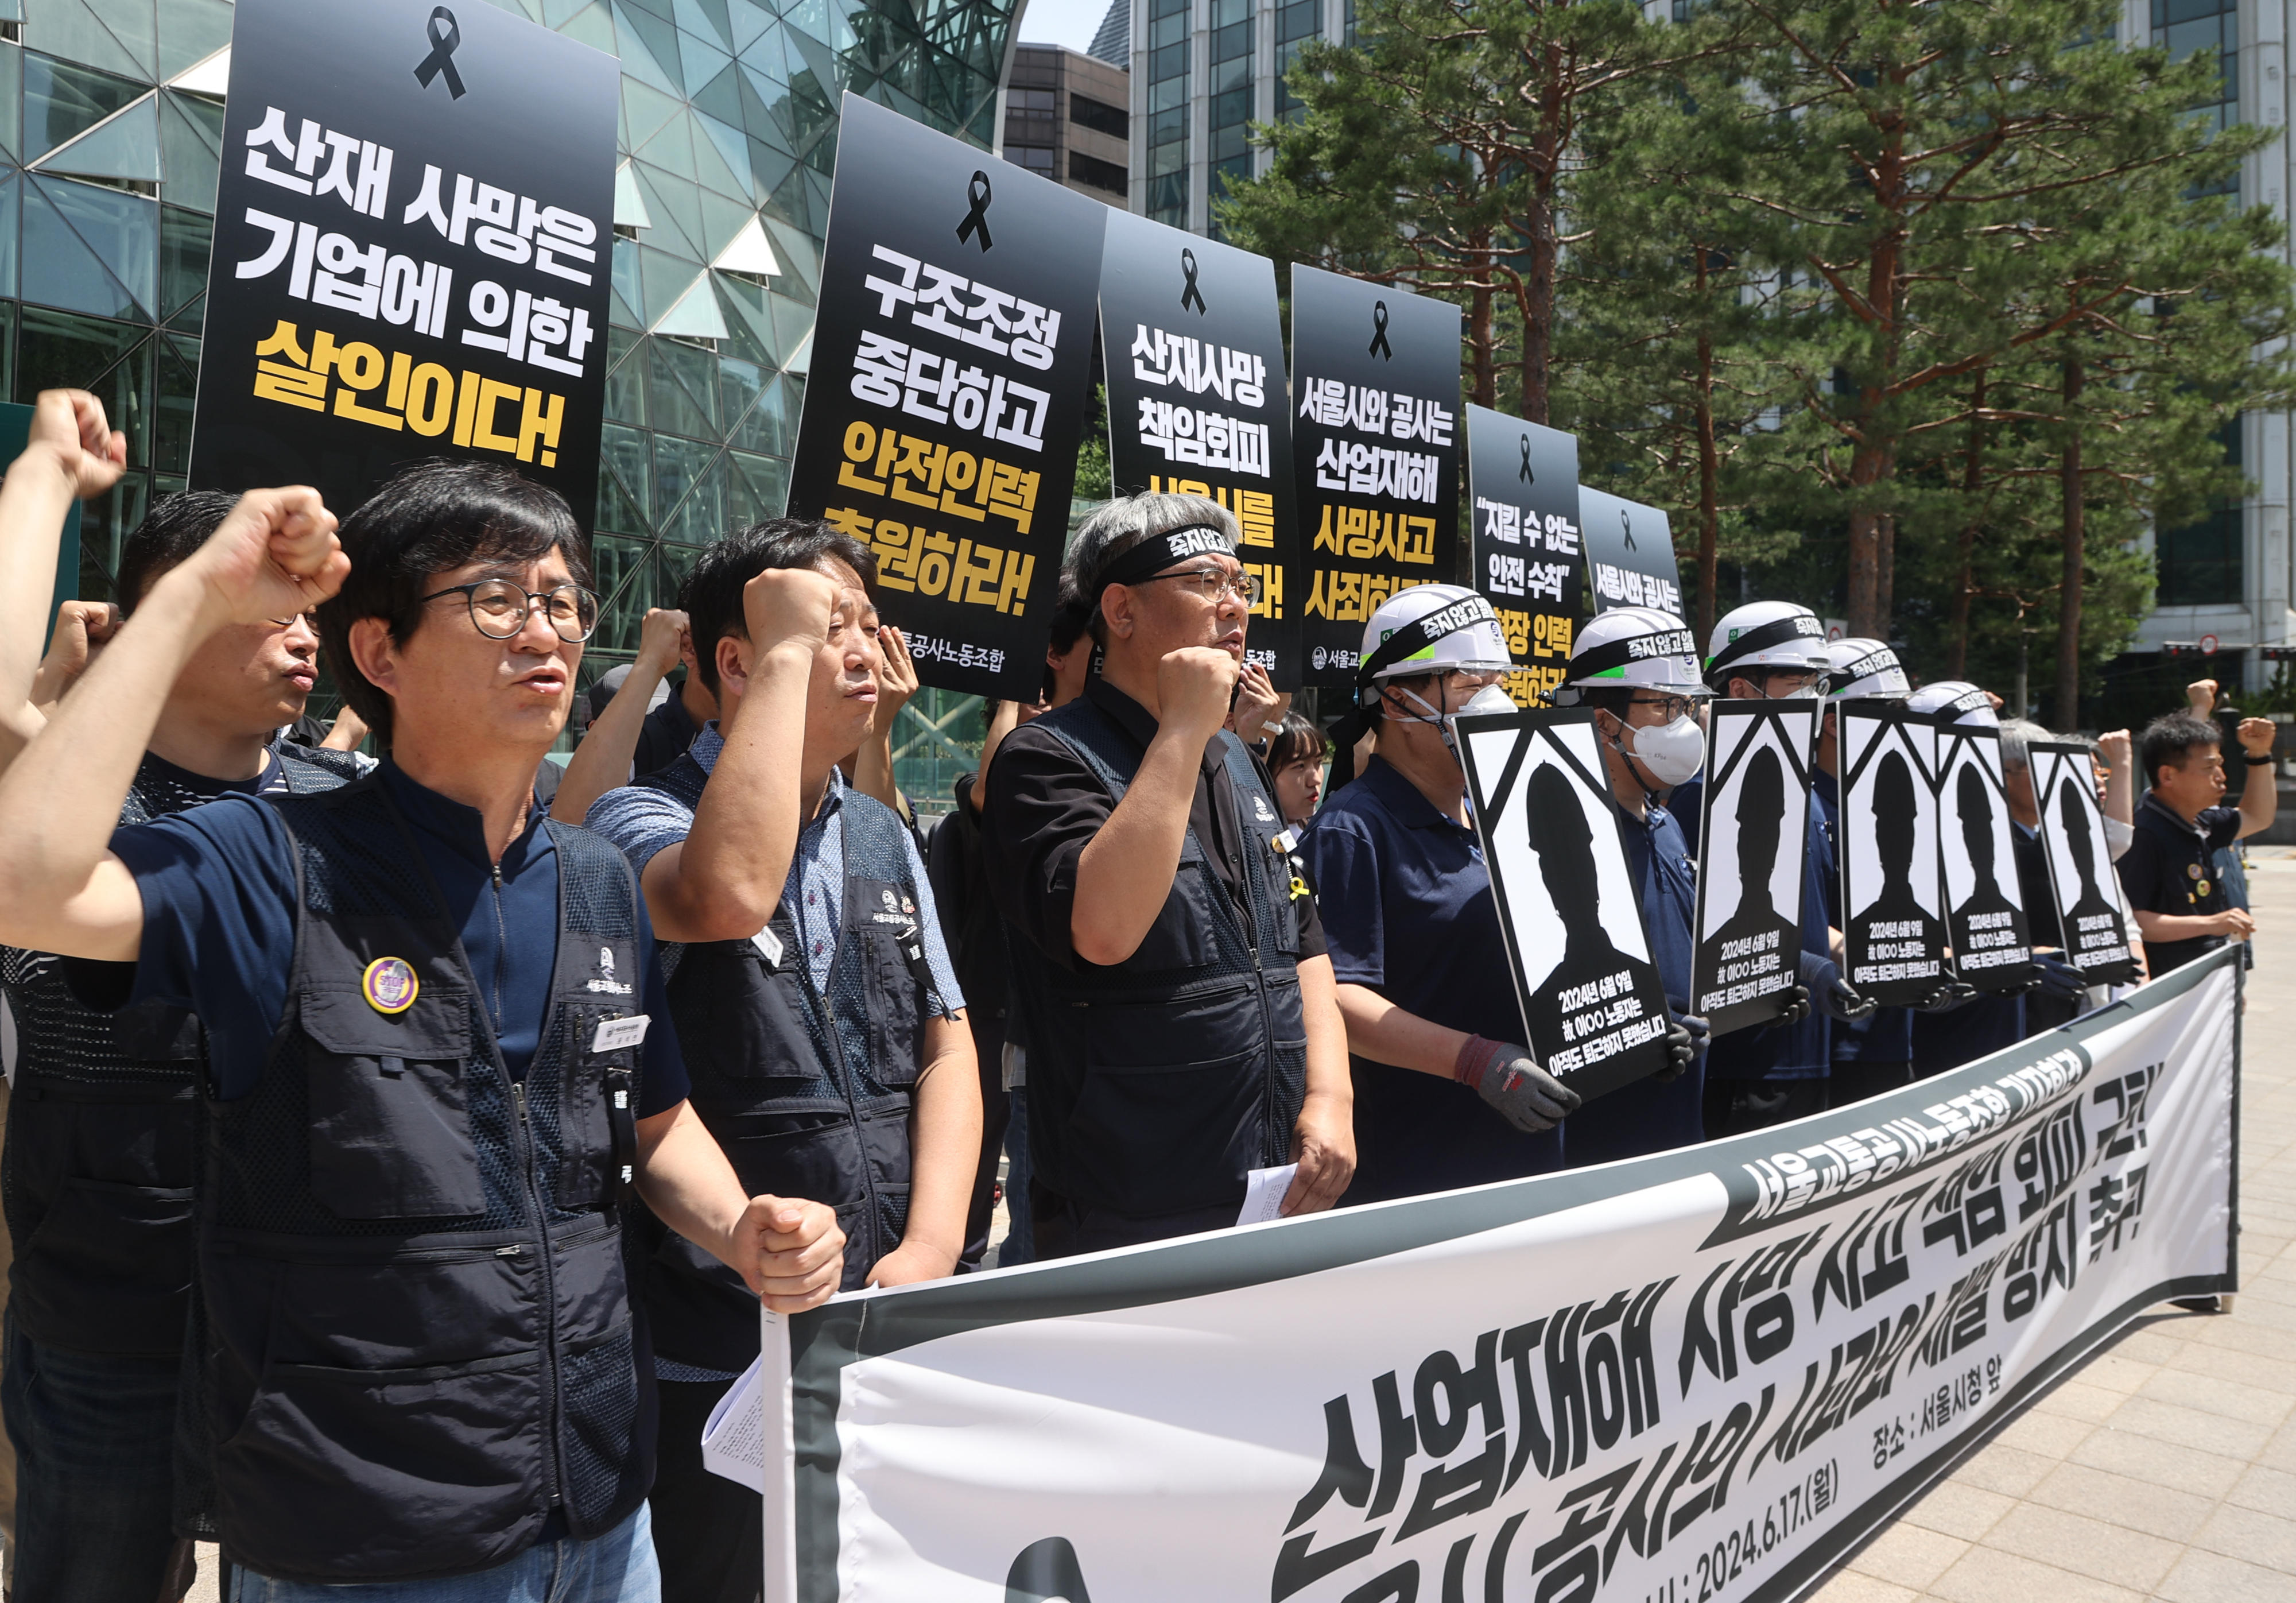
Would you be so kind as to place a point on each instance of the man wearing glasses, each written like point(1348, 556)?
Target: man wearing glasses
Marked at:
point(439, 1055)
point(1172, 990)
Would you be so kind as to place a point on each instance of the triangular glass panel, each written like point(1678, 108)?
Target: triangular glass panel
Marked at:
point(791, 320)
point(628, 295)
point(9, 186)
point(703, 61)
point(721, 96)
point(191, 31)
point(752, 320)
point(636, 55)
point(70, 29)
point(810, 16)
point(706, 19)
point(178, 386)
point(749, 21)
point(629, 204)
point(789, 202)
point(695, 316)
point(125, 145)
point(764, 477)
point(617, 509)
point(59, 269)
point(672, 149)
point(676, 213)
point(659, 40)
point(186, 241)
point(801, 253)
point(190, 137)
point(711, 168)
point(62, 100)
point(210, 75)
point(592, 25)
point(647, 111)
point(664, 277)
point(722, 221)
point(123, 230)
point(770, 165)
point(749, 252)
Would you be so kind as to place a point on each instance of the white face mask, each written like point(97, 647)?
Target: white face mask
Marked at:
point(1671, 752)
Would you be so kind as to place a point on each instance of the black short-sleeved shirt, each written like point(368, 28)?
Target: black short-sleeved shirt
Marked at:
point(662, 739)
point(1044, 806)
point(2170, 867)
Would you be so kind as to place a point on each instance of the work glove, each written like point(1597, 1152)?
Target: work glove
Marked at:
point(1510, 1081)
point(1796, 998)
point(1947, 997)
point(2058, 978)
point(1836, 997)
point(1686, 1035)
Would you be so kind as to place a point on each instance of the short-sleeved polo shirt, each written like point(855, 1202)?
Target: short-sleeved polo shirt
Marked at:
point(2171, 867)
point(1408, 912)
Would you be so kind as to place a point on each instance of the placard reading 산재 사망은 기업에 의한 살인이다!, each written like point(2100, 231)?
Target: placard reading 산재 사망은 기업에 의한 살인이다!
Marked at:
point(950, 372)
point(1755, 836)
point(412, 250)
point(1375, 453)
point(1523, 485)
point(1194, 342)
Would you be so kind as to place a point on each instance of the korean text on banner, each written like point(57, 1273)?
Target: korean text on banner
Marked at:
point(1197, 406)
point(1707, 1373)
point(1376, 453)
point(407, 264)
point(1629, 553)
point(1522, 484)
point(952, 360)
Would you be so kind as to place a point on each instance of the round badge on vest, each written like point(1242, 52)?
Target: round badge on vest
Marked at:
point(389, 985)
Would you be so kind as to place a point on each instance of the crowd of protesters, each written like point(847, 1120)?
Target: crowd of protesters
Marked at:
point(400, 1146)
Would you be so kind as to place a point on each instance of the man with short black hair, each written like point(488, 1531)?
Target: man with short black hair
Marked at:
point(430, 1072)
point(2170, 870)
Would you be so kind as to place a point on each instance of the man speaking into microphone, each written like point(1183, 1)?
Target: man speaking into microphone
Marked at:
point(1169, 979)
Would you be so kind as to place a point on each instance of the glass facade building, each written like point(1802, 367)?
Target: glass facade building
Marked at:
point(110, 123)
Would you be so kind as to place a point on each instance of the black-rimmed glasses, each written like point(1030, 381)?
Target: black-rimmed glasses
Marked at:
point(1214, 584)
point(499, 608)
point(1673, 706)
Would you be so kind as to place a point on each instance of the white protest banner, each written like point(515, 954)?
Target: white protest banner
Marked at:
point(1705, 1374)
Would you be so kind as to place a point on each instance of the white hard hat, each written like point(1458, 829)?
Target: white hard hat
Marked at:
point(1955, 701)
point(1432, 629)
point(1780, 636)
point(1857, 668)
point(1636, 647)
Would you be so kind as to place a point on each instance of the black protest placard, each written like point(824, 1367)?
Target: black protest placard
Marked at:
point(1629, 553)
point(1193, 346)
point(1375, 450)
point(412, 251)
point(1985, 906)
point(1754, 835)
point(952, 360)
point(1892, 897)
point(1594, 1007)
point(1523, 482)
point(2089, 905)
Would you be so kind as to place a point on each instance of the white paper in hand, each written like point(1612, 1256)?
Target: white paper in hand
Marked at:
point(1263, 1194)
point(734, 1441)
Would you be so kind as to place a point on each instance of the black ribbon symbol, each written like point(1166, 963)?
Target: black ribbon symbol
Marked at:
point(978, 192)
point(1191, 295)
point(1379, 345)
point(1626, 527)
point(1524, 472)
point(441, 59)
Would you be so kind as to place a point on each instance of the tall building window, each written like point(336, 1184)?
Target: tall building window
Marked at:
point(1296, 23)
point(1168, 111)
point(2200, 564)
point(1230, 120)
point(2187, 27)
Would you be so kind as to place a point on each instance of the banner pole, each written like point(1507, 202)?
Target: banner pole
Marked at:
point(780, 1461)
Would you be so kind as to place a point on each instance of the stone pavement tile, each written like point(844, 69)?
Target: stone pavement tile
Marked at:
point(2265, 1314)
point(1989, 1575)
point(2280, 1452)
point(2205, 1577)
point(2012, 1471)
point(1958, 1510)
point(2265, 1289)
point(2252, 1536)
point(2114, 1373)
point(2051, 1435)
point(2191, 1427)
point(2158, 1463)
point(2150, 1506)
point(2274, 1374)
point(2146, 1345)
point(2077, 1399)
point(2240, 1334)
point(2267, 1491)
point(2089, 1546)
point(1908, 1556)
point(1849, 1586)
point(2210, 1395)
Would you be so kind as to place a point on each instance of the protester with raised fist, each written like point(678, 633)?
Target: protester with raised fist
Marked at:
point(1171, 986)
point(623, 713)
point(1638, 668)
point(430, 1073)
point(2171, 872)
point(1446, 1095)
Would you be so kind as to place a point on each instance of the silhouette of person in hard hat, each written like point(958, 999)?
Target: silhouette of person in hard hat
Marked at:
point(1046, 1572)
point(1894, 815)
point(2074, 805)
point(1979, 813)
point(1556, 822)
point(1760, 818)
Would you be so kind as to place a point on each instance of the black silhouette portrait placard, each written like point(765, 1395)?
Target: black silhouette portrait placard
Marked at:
point(951, 365)
point(1193, 344)
point(1593, 1009)
point(1629, 553)
point(1522, 489)
point(1375, 437)
point(1891, 892)
point(2089, 906)
point(1985, 906)
point(1753, 840)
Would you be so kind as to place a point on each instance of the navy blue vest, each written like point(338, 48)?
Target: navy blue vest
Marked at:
point(419, 1341)
point(97, 1173)
point(1156, 1084)
point(809, 1093)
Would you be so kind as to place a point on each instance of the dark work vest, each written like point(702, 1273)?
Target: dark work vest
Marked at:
point(97, 1173)
point(809, 1093)
point(419, 1337)
point(1157, 1083)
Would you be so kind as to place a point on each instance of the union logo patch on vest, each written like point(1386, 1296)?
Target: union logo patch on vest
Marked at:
point(389, 985)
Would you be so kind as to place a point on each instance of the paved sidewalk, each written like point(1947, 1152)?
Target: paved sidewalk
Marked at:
point(2166, 1465)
